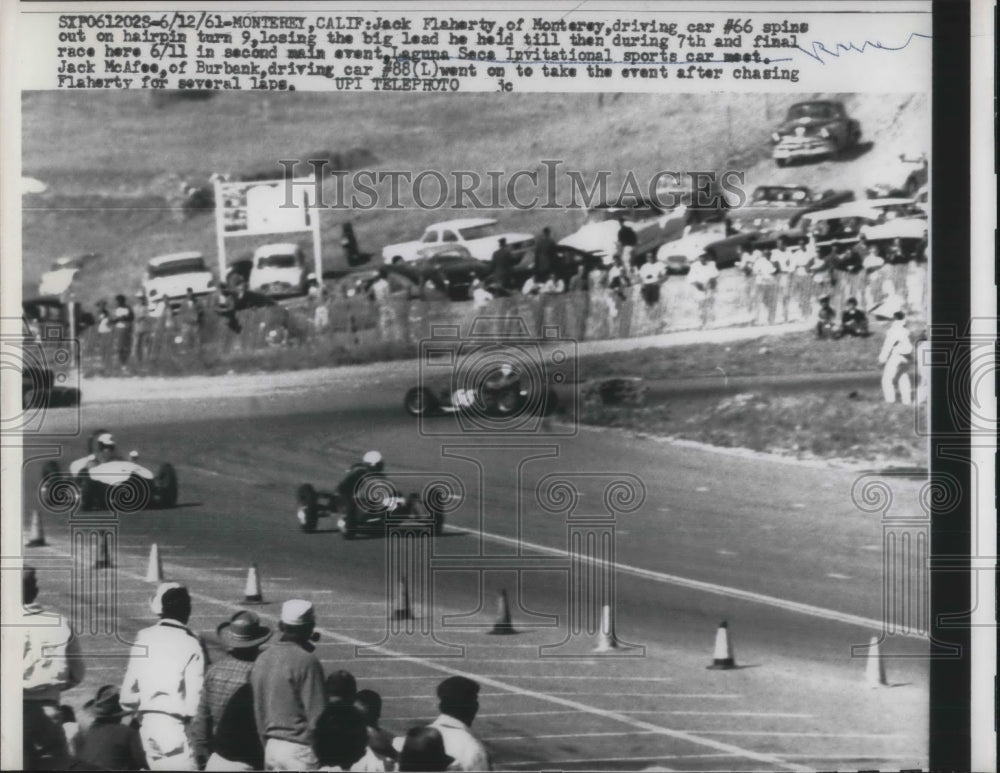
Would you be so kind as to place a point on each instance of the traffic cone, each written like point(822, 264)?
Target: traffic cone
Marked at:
point(154, 572)
point(723, 658)
point(251, 592)
point(606, 640)
point(36, 535)
point(503, 625)
point(104, 556)
point(875, 668)
point(402, 610)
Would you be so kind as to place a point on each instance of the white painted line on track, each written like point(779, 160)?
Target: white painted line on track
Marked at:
point(622, 759)
point(595, 678)
point(791, 734)
point(553, 736)
point(769, 759)
point(677, 712)
point(836, 576)
point(708, 587)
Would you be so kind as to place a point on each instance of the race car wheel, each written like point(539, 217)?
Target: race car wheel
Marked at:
point(165, 486)
point(781, 161)
point(308, 517)
point(551, 402)
point(50, 473)
point(508, 402)
point(438, 519)
point(88, 492)
point(420, 401)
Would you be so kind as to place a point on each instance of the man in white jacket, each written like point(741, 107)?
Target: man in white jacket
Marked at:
point(895, 357)
point(163, 682)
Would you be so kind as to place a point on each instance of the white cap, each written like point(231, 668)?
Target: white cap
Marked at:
point(156, 603)
point(372, 458)
point(105, 439)
point(297, 612)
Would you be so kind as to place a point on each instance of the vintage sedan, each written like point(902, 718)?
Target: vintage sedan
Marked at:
point(819, 128)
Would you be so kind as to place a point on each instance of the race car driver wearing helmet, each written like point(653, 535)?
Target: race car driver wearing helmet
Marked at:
point(370, 466)
point(505, 379)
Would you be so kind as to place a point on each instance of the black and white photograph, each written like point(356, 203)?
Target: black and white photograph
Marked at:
point(456, 388)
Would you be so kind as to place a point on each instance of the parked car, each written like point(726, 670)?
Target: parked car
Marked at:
point(841, 226)
point(653, 226)
point(902, 219)
point(722, 248)
point(480, 236)
point(279, 270)
point(58, 279)
point(778, 207)
point(812, 129)
point(903, 177)
point(172, 275)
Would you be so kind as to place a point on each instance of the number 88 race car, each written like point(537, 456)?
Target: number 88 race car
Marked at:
point(364, 518)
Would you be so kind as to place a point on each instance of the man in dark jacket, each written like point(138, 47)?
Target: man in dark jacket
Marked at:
point(627, 240)
point(546, 256)
point(108, 744)
point(503, 265)
point(224, 732)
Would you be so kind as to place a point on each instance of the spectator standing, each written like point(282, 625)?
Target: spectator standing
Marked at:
point(546, 256)
point(765, 281)
point(503, 265)
point(531, 286)
point(52, 665)
point(349, 244)
point(651, 276)
point(142, 329)
point(380, 755)
point(799, 283)
point(163, 680)
point(288, 691)
point(224, 733)
point(782, 260)
point(123, 317)
point(703, 279)
point(71, 728)
point(553, 285)
point(191, 321)
point(341, 686)
point(380, 293)
point(341, 736)
point(895, 357)
point(458, 702)
point(105, 339)
point(627, 240)
point(108, 744)
point(424, 750)
point(853, 321)
point(894, 252)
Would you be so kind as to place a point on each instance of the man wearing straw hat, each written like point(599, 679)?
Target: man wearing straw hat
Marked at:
point(163, 680)
point(224, 733)
point(288, 691)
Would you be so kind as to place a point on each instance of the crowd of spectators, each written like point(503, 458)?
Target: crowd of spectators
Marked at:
point(266, 704)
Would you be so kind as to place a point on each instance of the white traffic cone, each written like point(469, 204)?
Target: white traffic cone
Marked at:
point(503, 625)
point(723, 657)
point(251, 592)
point(154, 571)
point(36, 535)
point(875, 667)
point(606, 640)
point(402, 610)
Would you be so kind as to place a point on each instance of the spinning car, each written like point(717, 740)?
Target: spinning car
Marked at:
point(368, 517)
point(101, 480)
point(503, 395)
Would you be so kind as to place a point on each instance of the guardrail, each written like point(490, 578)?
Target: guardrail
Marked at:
point(342, 331)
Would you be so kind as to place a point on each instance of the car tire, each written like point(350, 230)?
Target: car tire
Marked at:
point(165, 486)
point(306, 499)
point(781, 161)
point(438, 520)
point(551, 403)
point(50, 473)
point(87, 492)
point(420, 401)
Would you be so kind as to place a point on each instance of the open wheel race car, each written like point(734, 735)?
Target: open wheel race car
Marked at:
point(368, 518)
point(496, 403)
point(102, 481)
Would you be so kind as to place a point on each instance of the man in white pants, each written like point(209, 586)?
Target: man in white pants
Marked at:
point(896, 356)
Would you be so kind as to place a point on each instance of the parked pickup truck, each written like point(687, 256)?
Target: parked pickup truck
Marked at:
point(480, 236)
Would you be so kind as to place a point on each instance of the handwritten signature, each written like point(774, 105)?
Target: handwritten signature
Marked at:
point(819, 49)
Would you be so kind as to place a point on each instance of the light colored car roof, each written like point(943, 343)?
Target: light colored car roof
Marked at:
point(283, 248)
point(854, 209)
point(464, 222)
point(160, 260)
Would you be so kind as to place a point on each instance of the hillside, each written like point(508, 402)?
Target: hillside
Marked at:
point(113, 162)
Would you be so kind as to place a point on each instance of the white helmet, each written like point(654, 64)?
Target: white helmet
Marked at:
point(506, 368)
point(105, 440)
point(372, 458)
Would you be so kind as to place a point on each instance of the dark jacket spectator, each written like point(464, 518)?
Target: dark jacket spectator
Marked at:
point(108, 744)
point(341, 736)
point(853, 321)
point(381, 754)
point(423, 750)
point(546, 256)
point(341, 686)
point(503, 266)
point(224, 726)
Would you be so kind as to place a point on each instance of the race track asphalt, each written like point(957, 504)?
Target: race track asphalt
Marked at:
point(778, 550)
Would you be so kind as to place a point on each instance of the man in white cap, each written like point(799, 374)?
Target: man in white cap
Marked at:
point(164, 678)
point(288, 691)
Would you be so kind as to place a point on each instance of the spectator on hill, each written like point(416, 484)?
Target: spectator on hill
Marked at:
point(765, 281)
point(52, 665)
point(552, 285)
point(380, 293)
point(380, 755)
point(142, 328)
point(651, 276)
point(423, 749)
point(288, 691)
point(349, 244)
point(458, 702)
point(108, 744)
point(503, 261)
point(192, 316)
point(627, 240)
point(896, 357)
point(163, 680)
point(826, 322)
point(224, 733)
point(123, 317)
point(546, 256)
point(703, 279)
point(341, 736)
point(894, 252)
point(579, 282)
point(853, 321)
